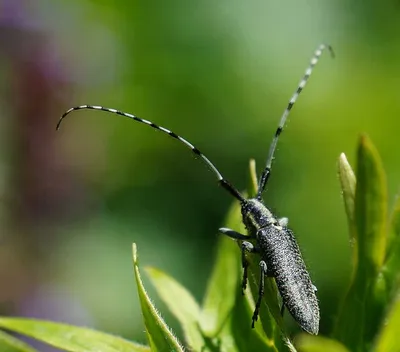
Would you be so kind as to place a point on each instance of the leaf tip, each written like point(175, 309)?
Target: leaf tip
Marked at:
point(365, 144)
point(346, 174)
point(363, 138)
point(134, 252)
point(343, 158)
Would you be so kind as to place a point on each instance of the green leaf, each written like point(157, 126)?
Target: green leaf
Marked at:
point(221, 288)
point(371, 221)
point(363, 306)
point(70, 338)
point(253, 183)
point(159, 335)
point(309, 343)
point(348, 185)
point(388, 339)
point(182, 305)
point(370, 209)
point(9, 343)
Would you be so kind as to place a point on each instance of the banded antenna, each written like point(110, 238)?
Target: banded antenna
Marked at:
point(267, 171)
point(221, 180)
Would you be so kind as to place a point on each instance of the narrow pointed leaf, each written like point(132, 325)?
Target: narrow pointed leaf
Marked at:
point(182, 305)
point(308, 343)
point(9, 343)
point(371, 221)
point(253, 182)
point(348, 185)
point(221, 288)
point(370, 209)
point(159, 335)
point(70, 338)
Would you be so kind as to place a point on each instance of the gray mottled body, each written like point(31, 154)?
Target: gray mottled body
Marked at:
point(279, 250)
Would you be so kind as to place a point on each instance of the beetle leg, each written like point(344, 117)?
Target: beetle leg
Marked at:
point(246, 247)
point(233, 234)
point(263, 273)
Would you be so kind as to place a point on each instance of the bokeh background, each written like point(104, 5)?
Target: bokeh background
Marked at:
point(220, 73)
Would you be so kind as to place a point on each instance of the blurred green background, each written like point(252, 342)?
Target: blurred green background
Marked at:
point(220, 73)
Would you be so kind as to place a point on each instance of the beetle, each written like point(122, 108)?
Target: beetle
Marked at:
point(273, 240)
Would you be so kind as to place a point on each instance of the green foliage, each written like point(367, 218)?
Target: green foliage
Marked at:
point(367, 320)
point(373, 282)
point(66, 337)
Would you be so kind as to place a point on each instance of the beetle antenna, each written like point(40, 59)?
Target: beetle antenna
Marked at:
point(267, 171)
point(221, 180)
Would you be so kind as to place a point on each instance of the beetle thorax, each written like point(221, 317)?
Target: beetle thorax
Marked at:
point(256, 215)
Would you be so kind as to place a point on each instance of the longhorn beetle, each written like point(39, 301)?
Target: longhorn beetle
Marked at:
point(274, 241)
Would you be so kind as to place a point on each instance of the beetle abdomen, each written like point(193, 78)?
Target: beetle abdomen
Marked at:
point(284, 261)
